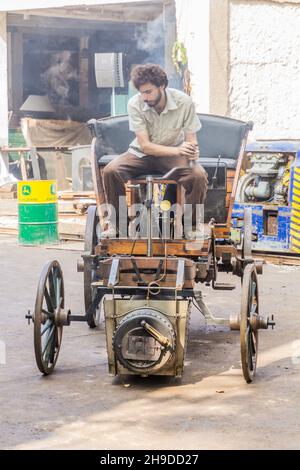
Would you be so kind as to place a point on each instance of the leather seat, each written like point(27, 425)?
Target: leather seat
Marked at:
point(218, 136)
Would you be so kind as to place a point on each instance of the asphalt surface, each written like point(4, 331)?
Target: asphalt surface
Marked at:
point(80, 407)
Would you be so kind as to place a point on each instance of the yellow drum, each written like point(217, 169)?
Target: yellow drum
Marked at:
point(38, 212)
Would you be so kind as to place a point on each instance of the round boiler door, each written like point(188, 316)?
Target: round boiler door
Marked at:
point(136, 348)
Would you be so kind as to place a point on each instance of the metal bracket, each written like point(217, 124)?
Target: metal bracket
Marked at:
point(209, 317)
point(114, 273)
point(180, 274)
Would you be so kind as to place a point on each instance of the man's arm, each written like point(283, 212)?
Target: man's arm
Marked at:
point(191, 137)
point(187, 149)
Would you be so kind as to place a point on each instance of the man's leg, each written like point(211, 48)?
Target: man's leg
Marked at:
point(193, 179)
point(118, 172)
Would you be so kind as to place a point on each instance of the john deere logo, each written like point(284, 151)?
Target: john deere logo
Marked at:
point(52, 189)
point(26, 190)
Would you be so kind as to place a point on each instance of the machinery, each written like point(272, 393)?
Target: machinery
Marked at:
point(269, 186)
point(145, 285)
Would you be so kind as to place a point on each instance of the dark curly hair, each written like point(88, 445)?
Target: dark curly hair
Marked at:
point(149, 73)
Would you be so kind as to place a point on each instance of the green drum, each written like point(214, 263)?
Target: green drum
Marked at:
point(38, 212)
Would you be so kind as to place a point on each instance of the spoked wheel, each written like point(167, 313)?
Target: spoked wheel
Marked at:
point(49, 302)
point(249, 320)
point(89, 274)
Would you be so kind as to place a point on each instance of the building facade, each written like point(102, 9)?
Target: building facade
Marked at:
point(243, 55)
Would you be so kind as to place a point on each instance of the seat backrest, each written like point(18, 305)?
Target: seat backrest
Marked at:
point(112, 135)
point(218, 136)
point(221, 136)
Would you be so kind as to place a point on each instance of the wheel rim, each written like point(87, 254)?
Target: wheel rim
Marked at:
point(49, 299)
point(248, 324)
point(89, 274)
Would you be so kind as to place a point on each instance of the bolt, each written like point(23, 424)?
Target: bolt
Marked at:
point(272, 322)
point(28, 316)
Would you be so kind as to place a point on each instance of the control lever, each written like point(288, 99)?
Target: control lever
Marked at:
point(214, 178)
point(156, 334)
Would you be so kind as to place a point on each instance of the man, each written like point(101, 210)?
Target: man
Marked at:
point(165, 124)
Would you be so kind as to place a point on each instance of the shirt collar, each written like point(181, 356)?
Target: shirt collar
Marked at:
point(170, 104)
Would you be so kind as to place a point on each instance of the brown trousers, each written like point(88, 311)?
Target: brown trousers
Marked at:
point(128, 166)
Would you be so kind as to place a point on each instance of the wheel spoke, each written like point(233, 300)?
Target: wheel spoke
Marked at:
point(249, 350)
point(58, 292)
point(52, 283)
point(48, 324)
point(50, 352)
point(49, 303)
point(54, 348)
point(253, 309)
point(47, 313)
point(50, 335)
point(253, 343)
point(253, 288)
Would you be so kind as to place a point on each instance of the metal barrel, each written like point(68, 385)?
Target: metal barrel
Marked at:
point(37, 212)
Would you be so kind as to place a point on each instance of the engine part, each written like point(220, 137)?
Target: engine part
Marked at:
point(146, 337)
point(144, 340)
point(261, 191)
point(266, 180)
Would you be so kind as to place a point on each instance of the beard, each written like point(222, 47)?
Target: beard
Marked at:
point(154, 103)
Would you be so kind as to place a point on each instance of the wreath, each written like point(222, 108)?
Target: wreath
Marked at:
point(179, 55)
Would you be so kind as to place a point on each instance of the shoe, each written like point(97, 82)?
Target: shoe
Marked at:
point(109, 232)
point(201, 232)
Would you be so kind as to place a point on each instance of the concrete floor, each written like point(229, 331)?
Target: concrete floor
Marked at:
point(79, 406)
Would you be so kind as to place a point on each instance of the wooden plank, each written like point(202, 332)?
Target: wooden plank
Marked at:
point(148, 263)
point(174, 248)
point(23, 166)
point(169, 280)
point(221, 231)
point(128, 276)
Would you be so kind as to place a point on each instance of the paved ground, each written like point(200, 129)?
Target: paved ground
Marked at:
point(80, 406)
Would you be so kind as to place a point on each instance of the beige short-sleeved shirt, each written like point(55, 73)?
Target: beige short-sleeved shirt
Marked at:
point(167, 128)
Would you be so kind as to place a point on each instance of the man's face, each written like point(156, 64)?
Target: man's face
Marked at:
point(151, 94)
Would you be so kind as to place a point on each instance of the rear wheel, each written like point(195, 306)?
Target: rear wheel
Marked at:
point(89, 273)
point(249, 317)
point(50, 300)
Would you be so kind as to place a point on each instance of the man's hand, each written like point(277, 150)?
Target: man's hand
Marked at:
point(189, 150)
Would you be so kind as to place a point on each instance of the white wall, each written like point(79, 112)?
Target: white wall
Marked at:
point(265, 67)
point(193, 31)
point(3, 82)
